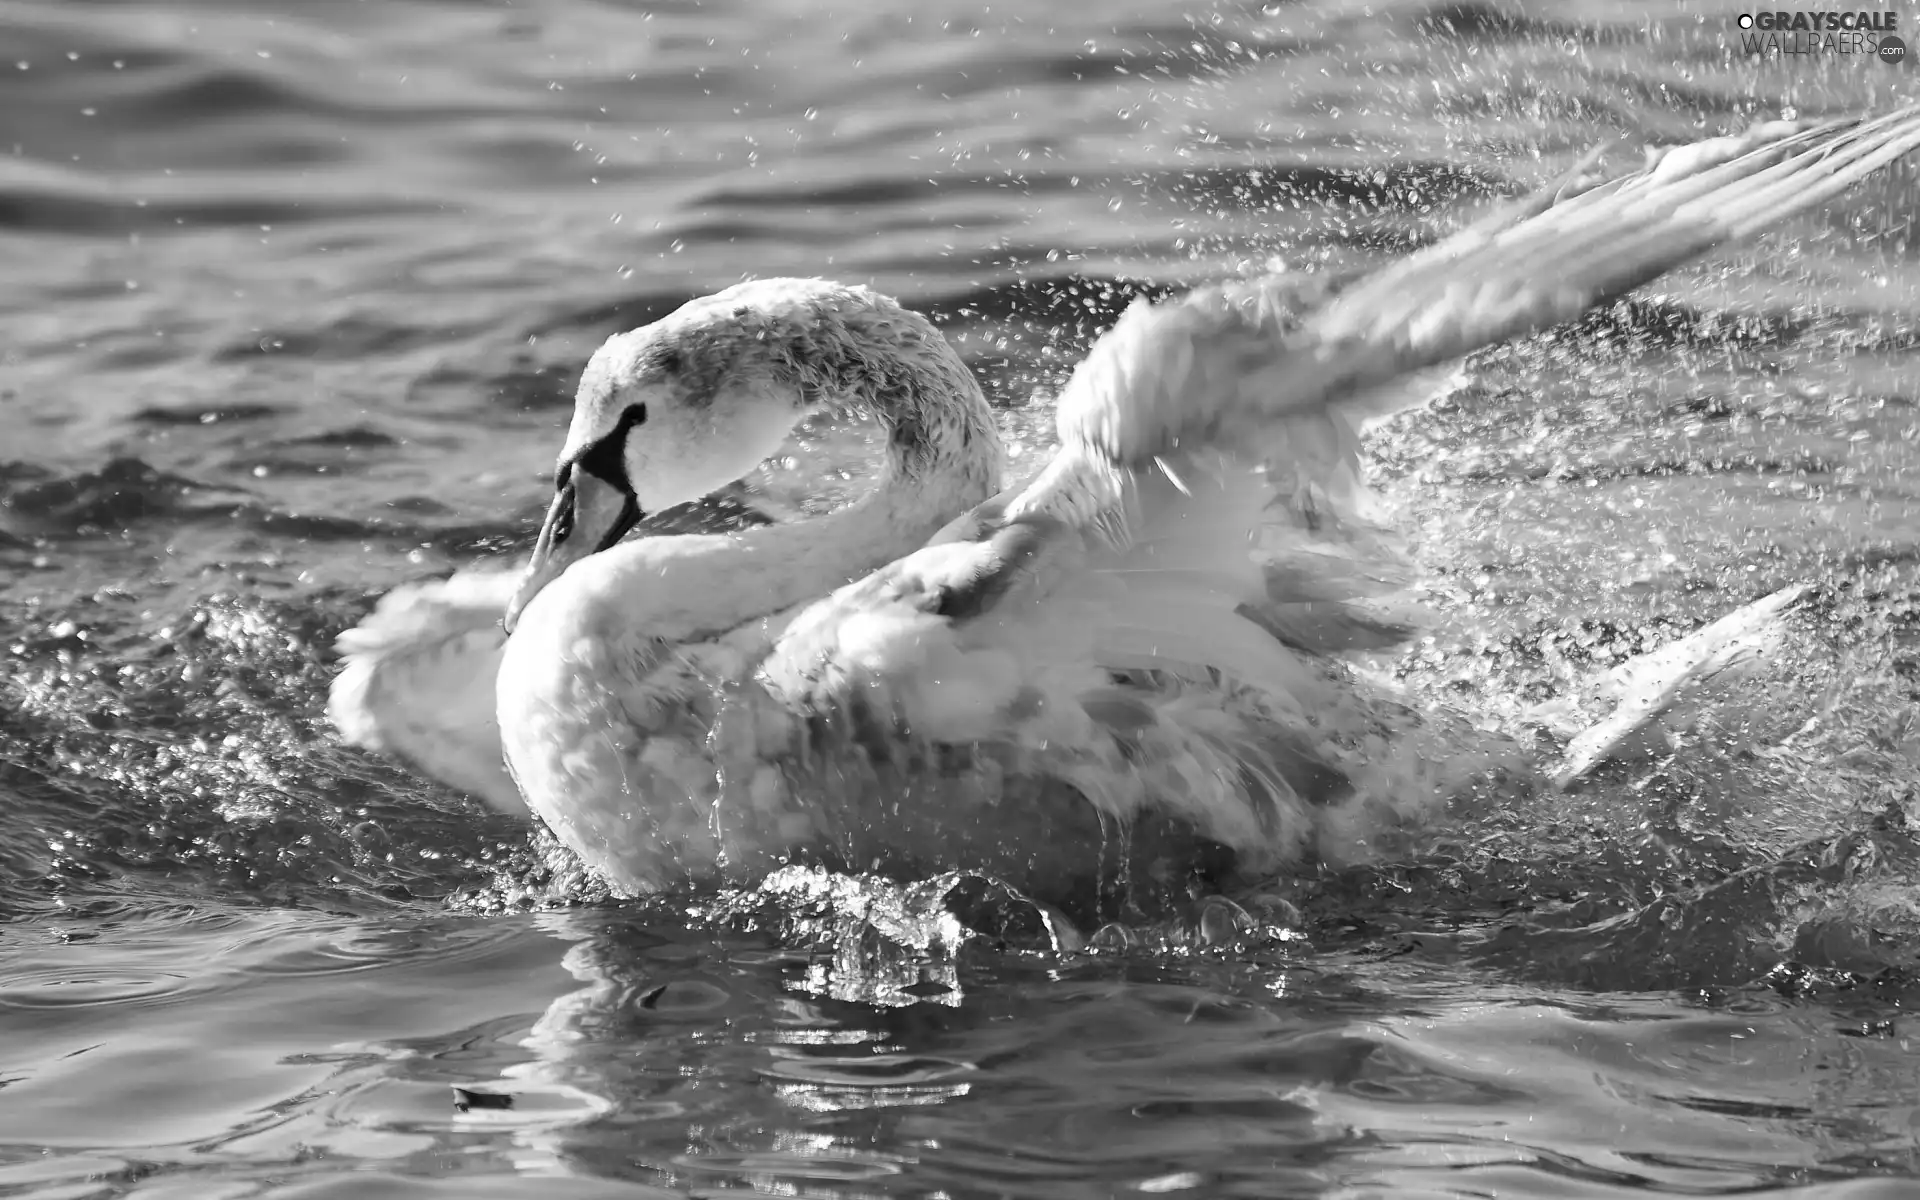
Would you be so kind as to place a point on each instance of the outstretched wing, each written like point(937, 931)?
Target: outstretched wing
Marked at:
point(1224, 363)
point(1207, 493)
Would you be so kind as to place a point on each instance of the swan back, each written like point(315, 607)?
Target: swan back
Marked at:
point(1120, 657)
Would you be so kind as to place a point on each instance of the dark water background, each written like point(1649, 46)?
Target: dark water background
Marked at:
point(291, 300)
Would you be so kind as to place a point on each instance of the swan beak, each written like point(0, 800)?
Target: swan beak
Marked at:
point(589, 514)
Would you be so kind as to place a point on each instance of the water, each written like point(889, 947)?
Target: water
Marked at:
point(291, 298)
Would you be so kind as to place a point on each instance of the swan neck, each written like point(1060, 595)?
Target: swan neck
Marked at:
point(804, 560)
point(942, 445)
point(942, 448)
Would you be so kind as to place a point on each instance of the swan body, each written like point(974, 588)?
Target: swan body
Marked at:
point(641, 683)
point(946, 674)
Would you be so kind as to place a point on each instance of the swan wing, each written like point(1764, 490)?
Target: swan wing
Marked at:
point(1209, 451)
point(1126, 667)
point(417, 678)
point(1225, 363)
point(1616, 712)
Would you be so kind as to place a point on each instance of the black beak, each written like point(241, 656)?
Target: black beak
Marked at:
point(589, 514)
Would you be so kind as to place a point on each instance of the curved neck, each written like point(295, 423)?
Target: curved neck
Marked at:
point(892, 362)
point(943, 457)
point(943, 453)
point(779, 566)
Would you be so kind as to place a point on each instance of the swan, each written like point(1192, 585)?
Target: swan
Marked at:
point(1133, 640)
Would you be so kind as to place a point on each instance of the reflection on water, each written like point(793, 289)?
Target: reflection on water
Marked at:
point(689, 1061)
point(291, 299)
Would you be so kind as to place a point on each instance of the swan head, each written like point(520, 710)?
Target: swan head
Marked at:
point(675, 410)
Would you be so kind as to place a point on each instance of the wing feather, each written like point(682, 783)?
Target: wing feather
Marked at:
point(417, 681)
point(1220, 365)
point(1205, 524)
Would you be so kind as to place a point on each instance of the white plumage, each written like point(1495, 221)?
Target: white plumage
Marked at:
point(940, 676)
